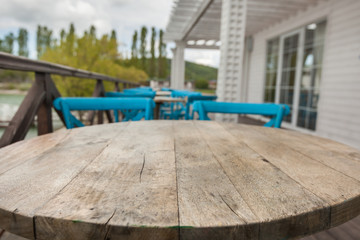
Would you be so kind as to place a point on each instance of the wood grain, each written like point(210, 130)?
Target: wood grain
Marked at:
point(30, 185)
point(328, 183)
point(133, 185)
point(272, 195)
point(176, 180)
point(207, 197)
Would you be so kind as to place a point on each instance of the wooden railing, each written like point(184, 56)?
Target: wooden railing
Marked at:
point(39, 98)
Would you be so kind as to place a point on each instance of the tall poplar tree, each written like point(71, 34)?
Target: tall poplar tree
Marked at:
point(143, 47)
point(8, 43)
point(162, 63)
point(152, 67)
point(23, 42)
point(44, 40)
point(134, 50)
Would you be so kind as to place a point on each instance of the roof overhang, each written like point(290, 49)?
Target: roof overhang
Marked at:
point(197, 22)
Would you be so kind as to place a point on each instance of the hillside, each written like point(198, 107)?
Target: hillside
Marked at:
point(195, 71)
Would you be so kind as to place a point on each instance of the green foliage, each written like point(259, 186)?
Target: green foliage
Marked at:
point(7, 45)
point(195, 71)
point(89, 53)
point(134, 49)
point(162, 62)
point(44, 40)
point(23, 42)
point(152, 65)
point(201, 83)
point(143, 47)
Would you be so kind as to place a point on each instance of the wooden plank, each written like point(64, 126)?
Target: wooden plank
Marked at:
point(8, 236)
point(335, 155)
point(44, 114)
point(334, 187)
point(132, 183)
point(21, 122)
point(14, 155)
point(26, 188)
point(207, 198)
point(99, 91)
point(269, 192)
point(54, 94)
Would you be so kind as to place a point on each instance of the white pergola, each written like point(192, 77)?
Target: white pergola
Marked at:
point(226, 25)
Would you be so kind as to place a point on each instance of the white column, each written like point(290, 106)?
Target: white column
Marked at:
point(232, 36)
point(178, 66)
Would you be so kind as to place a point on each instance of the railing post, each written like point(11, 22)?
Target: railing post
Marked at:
point(117, 88)
point(100, 92)
point(21, 122)
point(44, 115)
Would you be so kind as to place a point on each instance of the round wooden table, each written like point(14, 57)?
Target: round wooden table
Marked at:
point(177, 180)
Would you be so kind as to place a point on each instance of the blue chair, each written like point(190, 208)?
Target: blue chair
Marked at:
point(138, 90)
point(133, 94)
point(177, 110)
point(167, 89)
point(276, 111)
point(191, 99)
point(136, 94)
point(130, 106)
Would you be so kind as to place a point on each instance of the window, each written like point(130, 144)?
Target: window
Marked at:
point(293, 73)
point(271, 69)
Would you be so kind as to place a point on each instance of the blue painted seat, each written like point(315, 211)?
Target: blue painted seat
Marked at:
point(138, 90)
point(276, 111)
point(131, 94)
point(129, 105)
point(191, 99)
point(177, 110)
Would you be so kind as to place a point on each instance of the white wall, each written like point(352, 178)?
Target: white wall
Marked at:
point(339, 104)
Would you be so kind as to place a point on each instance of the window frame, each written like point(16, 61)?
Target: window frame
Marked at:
point(298, 74)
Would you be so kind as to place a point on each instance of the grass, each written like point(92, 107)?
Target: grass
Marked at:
point(207, 91)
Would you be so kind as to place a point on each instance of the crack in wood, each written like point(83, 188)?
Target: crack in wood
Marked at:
point(108, 227)
point(230, 207)
point(142, 167)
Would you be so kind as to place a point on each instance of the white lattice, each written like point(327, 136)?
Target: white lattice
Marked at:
point(232, 37)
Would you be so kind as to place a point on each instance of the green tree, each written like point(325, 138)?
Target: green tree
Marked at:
point(44, 39)
point(90, 53)
point(162, 62)
point(8, 43)
point(23, 42)
point(134, 50)
point(113, 35)
point(201, 83)
point(143, 47)
point(152, 67)
point(62, 35)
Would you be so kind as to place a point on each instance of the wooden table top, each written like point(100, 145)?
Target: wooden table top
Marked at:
point(161, 99)
point(176, 180)
point(163, 93)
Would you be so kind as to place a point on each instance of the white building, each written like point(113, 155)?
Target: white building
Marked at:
point(305, 53)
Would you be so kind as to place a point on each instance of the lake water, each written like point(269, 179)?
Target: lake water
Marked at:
point(9, 104)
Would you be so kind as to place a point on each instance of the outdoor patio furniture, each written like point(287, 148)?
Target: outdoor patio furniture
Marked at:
point(190, 101)
point(276, 111)
point(163, 106)
point(177, 110)
point(177, 180)
point(133, 108)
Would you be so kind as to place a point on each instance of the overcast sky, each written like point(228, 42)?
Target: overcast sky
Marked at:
point(125, 16)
